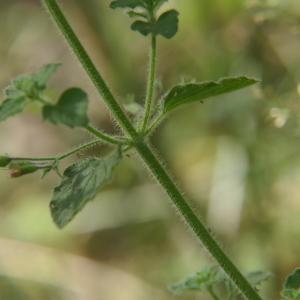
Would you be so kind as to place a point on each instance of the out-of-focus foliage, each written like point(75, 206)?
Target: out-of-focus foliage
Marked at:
point(236, 158)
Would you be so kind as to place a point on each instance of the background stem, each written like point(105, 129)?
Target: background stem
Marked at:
point(149, 158)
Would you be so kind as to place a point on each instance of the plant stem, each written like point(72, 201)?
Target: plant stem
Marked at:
point(106, 137)
point(150, 84)
point(61, 156)
point(148, 156)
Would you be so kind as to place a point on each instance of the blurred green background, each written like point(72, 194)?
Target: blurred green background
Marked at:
point(236, 157)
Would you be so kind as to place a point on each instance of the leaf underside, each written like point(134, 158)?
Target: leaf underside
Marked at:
point(80, 184)
point(183, 94)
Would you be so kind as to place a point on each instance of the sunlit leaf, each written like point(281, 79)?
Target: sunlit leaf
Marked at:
point(71, 109)
point(192, 92)
point(80, 184)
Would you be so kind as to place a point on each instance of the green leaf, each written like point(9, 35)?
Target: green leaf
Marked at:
point(192, 92)
point(166, 25)
point(24, 89)
point(127, 4)
point(11, 107)
point(4, 161)
point(135, 14)
point(31, 85)
point(291, 288)
point(200, 281)
point(71, 109)
point(142, 27)
point(42, 77)
point(79, 185)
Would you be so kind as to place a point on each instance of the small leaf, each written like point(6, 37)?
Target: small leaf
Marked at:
point(135, 14)
point(192, 92)
point(11, 107)
point(200, 281)
point(80, 184)
point(127, 4)
point(167, 24)
point(4, 161)
point(31, 85)
point(24, 89)
point(142, 27)
point(42, 77)
point(291, 288)
point(71, 109)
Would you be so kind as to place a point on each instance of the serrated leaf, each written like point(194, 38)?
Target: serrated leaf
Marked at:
point(11, 107)
point(80, 184)
point(71, 109)
point(199, 281)
point(291, 288)
point(127, 4)
point(167, 24)
point(183, 94)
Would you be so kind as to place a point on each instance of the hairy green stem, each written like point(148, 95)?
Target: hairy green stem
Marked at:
point(148, 156)
point(150, 84)
point(61, 156)
point(106, 137)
